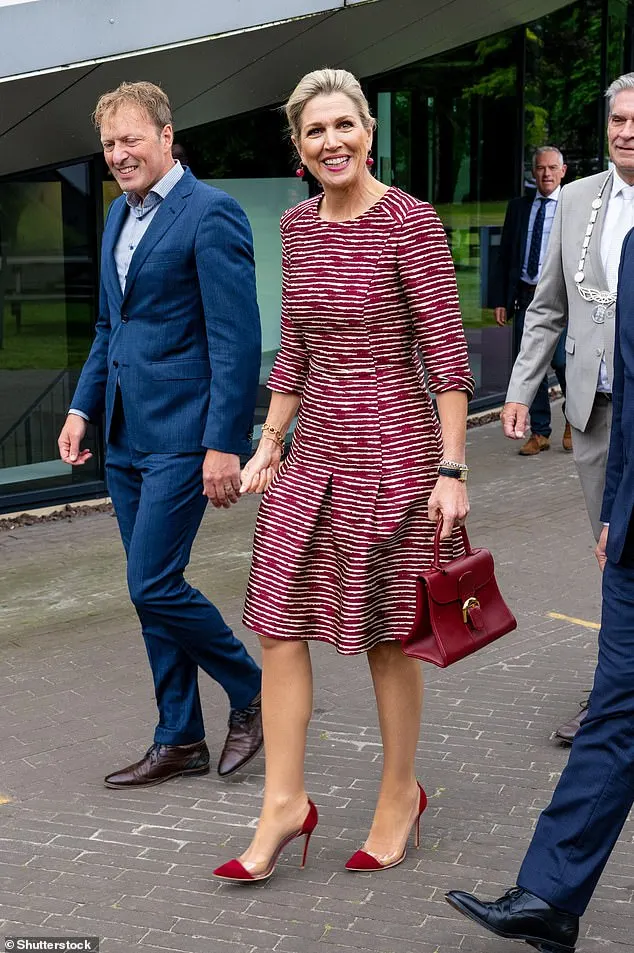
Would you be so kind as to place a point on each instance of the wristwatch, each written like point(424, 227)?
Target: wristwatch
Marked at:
point(457, 471)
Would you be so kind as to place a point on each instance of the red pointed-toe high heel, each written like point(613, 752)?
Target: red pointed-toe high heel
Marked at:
point(235, 872)
point(361, 860)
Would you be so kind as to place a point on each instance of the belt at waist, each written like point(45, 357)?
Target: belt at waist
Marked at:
point(602, 397)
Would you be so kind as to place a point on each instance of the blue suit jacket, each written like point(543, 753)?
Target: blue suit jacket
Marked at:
point(618, 499)
point(183, 340)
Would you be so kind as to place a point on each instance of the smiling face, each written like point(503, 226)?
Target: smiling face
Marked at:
point(333, 143)
point(621, 134)
point(136, 152)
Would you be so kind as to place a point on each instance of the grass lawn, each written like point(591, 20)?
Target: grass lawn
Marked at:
point(52, 336)
point(56, 336)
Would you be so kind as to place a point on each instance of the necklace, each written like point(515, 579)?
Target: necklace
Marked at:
point(604, 300)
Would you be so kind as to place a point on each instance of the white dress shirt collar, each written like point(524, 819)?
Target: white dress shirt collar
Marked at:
point(159, 190)
point(554, 196)
point(617, 184)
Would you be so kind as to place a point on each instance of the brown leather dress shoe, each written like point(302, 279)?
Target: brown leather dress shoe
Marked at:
point(160, 763)
point(244, 739)
point(566, 440)
point(535, 444)
point(568, 731)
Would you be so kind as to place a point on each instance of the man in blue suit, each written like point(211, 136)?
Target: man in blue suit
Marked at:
point(175, 366)
point(576, 833)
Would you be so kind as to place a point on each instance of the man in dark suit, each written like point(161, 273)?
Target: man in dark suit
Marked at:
point(575, 835)
point(523, 247)
point(175, 366)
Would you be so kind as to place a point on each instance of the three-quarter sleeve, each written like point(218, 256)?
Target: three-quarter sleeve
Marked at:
point(429, 282)
point(291, 364)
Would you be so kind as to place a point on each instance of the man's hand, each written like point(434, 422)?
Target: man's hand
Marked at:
point(599, 551)
point(514, 419)
point(501, 317)
point(69, 440)
point(221, 478)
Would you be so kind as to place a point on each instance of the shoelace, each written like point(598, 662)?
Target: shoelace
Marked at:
point(514, 893)
point(152, 752)
point(239, 716)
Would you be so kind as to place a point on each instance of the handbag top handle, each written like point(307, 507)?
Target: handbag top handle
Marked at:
point(465, 540)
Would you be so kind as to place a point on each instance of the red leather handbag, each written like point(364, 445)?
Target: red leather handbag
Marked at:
point(459, 608)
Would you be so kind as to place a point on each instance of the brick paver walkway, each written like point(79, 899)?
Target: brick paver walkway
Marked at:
point(133, 868)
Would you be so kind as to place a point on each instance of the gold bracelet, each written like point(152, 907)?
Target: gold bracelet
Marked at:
point(273, 434)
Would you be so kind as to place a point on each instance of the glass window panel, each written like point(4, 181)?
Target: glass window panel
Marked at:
point(563, 89)
point(439, 121)
point(384, 138)
point(47, 295)
point(265, 201)
point(617, 28)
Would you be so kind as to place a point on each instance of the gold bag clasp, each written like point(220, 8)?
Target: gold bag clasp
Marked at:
point(468, 604)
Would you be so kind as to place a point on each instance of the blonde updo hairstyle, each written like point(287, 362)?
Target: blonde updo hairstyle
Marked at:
point(323, 82)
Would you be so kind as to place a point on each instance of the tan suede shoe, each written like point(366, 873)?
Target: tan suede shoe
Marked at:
point(566, 440)
point(535, 444)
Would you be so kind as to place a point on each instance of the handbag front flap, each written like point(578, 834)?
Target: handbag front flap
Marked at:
point(460, 578)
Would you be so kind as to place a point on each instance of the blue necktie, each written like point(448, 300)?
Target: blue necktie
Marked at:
point(532, 266)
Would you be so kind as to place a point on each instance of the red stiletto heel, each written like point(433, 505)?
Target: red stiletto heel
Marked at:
point(235, 872)
point(361, 860)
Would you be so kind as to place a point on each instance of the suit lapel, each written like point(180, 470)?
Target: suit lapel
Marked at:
point(595, 273)
point(115, 222)
point(165, 216)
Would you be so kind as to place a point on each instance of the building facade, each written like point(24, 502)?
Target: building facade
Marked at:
point(459, 111)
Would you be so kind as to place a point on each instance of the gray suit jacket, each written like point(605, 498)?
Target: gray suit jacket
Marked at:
point(557, 303)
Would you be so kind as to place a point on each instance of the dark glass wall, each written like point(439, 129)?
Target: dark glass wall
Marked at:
point(48, 294)
point(448, 132)
point(457, 130)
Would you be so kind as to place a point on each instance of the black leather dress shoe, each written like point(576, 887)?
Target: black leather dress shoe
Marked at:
point(160, 763)
point(520, 915)
point(568, 731)
point(244, 738)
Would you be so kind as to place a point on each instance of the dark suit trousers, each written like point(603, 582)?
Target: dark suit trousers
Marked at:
point(540, 408)
point(576, 833)
point(159, 505)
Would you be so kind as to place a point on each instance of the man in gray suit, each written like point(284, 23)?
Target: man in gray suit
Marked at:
point(577, 286)
point(576, 833)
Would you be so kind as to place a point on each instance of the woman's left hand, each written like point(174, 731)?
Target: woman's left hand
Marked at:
point(260, 471)
point(449, 502)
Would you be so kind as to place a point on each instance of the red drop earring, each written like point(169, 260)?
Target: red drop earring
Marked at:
point(300, 172)
point(369, 161)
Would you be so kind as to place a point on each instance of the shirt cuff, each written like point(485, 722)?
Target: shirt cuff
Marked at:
point(79, 413)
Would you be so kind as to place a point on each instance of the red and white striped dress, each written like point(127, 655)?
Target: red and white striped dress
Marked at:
point(342, 531)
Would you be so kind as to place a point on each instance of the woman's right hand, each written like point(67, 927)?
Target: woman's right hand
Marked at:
point(259, 472)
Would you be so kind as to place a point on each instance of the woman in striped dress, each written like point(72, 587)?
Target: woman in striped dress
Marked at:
point(370, 324)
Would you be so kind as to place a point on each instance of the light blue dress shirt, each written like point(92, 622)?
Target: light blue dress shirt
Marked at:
point(140, 214)
point(549, 214)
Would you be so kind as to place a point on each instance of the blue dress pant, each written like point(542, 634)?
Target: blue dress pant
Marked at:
point(159, 505)
point(577, 832)
point(540, 408)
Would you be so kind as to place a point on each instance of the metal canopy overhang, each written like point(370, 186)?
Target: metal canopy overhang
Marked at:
point(222, 62)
